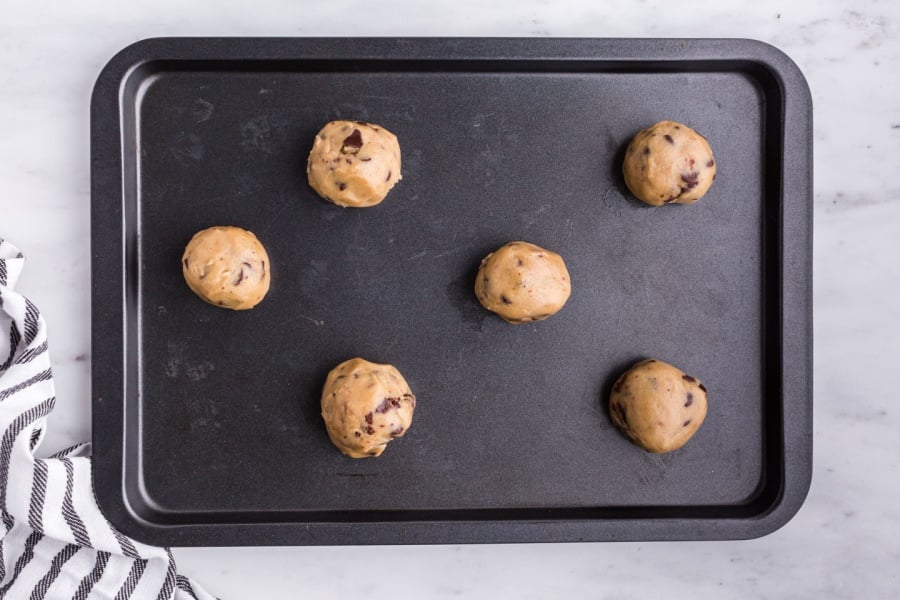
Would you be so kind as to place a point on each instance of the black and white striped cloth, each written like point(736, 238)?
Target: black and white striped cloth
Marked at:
point(54, 542)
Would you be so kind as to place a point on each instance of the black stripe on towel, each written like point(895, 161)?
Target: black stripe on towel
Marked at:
point(9, 437)
point(87, 584)
point(35, 436)
point(38, 493)
point(169, 585)
point(66, 452)
point(14, 338)
point(40, 590)
point(31, 321)
point(184, 584)
point(125, 544)
point(134, 576)
point(24, 558)
point(42, 376)
point(68, 508)
point(31, 353)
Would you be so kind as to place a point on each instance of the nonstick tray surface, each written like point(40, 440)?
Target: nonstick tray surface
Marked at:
point(206, 421)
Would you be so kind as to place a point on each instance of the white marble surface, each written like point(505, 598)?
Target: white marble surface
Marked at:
point(844, 543)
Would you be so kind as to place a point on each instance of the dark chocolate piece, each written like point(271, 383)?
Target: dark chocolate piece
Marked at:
point(352, 143)
point(387, 404)
point(691, 179)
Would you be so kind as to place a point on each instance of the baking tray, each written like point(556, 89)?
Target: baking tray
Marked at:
point(206, 421)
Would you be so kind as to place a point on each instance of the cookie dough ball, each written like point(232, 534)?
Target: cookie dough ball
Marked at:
point(657, 405)
point(227, 266)
point(669, 162)
point(522, 282)
point(354, 163)
point(366, 405)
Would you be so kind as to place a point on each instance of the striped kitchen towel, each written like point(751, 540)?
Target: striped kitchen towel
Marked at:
point(54, 542)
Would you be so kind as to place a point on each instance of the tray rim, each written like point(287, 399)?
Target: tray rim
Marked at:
point(109, 254)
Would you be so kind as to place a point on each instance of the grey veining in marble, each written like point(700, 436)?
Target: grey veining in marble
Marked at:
point(844, 543)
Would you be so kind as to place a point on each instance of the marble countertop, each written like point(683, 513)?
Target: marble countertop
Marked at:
point(844, 542)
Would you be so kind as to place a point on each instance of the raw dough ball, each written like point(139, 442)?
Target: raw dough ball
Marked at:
point(366, 405)
point(354, 163)
point(522, 282)
point(227, 266)
point(669, 162)
point(657, 406)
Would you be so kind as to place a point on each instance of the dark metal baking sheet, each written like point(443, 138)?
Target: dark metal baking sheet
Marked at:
point(206, 421)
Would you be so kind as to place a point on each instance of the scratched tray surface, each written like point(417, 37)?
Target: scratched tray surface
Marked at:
point(215, 434)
